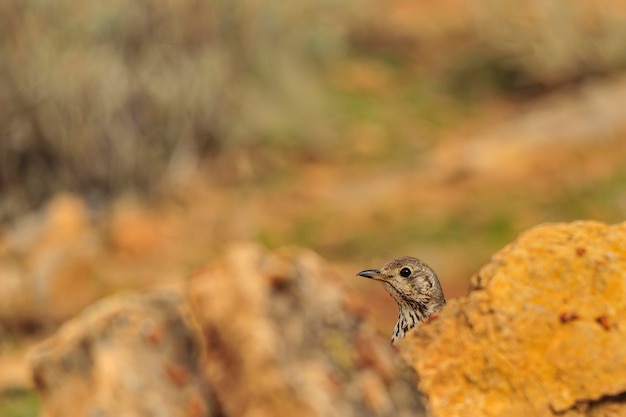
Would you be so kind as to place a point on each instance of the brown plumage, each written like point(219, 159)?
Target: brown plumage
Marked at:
point(414, 286)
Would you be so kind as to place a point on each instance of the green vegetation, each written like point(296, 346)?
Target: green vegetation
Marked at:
point(19, 403)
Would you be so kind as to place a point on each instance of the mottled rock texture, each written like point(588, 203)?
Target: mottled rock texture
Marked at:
point(283, 339)
point(542, 332)
point(128, 355)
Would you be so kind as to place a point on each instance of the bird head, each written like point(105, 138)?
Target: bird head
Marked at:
point(413, 284)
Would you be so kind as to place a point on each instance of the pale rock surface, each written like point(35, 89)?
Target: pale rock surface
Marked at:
point(127, 355)
point(542, 332)
point(283, 339)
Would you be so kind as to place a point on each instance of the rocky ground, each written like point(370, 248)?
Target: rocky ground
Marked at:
point(58, 260)
point(227, 317)
point(261, 332)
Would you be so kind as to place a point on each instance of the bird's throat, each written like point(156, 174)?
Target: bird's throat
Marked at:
point(407, 319)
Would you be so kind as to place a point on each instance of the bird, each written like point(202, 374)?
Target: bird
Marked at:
point(415, 287)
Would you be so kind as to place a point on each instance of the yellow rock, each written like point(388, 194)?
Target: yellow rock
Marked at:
point(542, 332)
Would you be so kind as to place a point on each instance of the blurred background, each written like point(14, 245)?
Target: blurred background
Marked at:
point(138, 139)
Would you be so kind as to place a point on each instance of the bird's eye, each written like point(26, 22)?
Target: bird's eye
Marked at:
point(405, 272)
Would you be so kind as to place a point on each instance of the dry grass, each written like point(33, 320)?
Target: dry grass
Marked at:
point(554, 42)
point(103, 96)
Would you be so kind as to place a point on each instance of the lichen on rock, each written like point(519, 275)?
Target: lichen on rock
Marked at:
point(542, 331)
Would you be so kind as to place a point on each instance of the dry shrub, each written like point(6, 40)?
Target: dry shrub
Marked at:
point(499, 45)
point(103, 96)
point(552, 41)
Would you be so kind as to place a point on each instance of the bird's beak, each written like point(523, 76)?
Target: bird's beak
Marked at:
point(372, 274)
